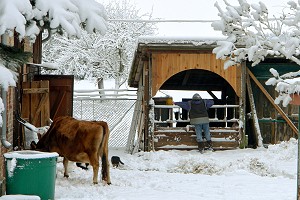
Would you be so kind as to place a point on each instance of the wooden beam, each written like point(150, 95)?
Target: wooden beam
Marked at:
point(285, 117)
point(35, 90)
point(212, 94)
point(242, 103)
point(254, 114)
point(186, 77)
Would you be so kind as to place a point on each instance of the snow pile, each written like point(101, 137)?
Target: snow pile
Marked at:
point(232, 174)
point(11, 165)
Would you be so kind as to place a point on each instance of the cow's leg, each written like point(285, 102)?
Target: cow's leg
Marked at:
point(105, 167)
point(65, 162)
point(94, 161)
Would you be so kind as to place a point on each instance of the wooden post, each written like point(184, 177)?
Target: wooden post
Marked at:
point(150, 107)
point(295, 101)
point(254, 114)
point(242, 103)
point(146, 106)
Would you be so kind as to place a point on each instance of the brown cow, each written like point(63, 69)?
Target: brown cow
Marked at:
point(78, 141)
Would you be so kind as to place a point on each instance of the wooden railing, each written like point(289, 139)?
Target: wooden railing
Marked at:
point(171, 119)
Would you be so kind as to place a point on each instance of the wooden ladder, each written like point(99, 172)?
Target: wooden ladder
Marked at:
point(136, 123)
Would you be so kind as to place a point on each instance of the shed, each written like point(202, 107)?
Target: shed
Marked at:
point(162, 63)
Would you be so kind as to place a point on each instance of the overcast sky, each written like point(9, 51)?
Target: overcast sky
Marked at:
point(193, 10)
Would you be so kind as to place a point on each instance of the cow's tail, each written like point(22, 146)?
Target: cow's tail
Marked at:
point(103, 151)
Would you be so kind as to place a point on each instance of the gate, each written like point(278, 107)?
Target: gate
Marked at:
point(113, 106)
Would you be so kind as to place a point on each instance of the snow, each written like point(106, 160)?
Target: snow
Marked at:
point(197, 41)
point(6, 78)
point(66, 14)
point(28, 154)
point(11, 165)
point(19, 197)
point(253, 33)
point(246, 174)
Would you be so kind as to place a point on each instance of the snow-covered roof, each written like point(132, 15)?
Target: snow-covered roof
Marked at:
point(46, 65)
point(177, 41)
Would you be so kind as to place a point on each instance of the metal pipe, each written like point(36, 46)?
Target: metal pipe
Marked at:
point(4, 141)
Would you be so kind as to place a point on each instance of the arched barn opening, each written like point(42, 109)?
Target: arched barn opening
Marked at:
point(223, 120)
point(212, 85)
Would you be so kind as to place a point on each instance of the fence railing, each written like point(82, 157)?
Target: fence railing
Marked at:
point(106, 94)
point(223, 113)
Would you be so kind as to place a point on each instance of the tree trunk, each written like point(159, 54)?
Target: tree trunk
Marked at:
point(100, 82)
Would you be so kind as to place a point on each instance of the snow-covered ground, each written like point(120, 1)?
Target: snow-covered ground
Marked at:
point(242, 174)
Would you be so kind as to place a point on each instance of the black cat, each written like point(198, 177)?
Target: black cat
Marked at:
point(116, 161)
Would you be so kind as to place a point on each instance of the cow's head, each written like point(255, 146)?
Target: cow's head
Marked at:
point(42, 140)
point(33, 145)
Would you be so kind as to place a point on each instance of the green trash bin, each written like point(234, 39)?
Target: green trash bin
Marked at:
point(31, 173)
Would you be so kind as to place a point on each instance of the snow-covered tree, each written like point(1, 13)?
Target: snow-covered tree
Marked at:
point(101, 57)
point(29, 17)
point(253, 35)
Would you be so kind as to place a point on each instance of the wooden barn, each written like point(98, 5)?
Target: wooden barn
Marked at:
point(242, 113)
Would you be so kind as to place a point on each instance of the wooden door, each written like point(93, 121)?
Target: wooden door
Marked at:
point(35, 102)
point(61, 94)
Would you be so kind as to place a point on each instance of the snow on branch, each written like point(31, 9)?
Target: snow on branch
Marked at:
point(252, 36)
point(285, 86)
point(28, 18)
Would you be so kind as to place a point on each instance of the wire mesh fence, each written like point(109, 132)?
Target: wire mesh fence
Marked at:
point(116, 112)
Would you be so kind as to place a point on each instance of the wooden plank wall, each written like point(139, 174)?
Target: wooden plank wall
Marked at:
point(165, 65)
point(273, 127)
point(180, 138)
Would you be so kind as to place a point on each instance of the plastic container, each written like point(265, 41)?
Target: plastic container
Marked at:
point(31, 173)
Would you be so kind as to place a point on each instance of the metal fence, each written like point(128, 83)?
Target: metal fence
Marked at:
point(113, 106)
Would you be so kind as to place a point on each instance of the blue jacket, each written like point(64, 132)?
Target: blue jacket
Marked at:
point(187, 106)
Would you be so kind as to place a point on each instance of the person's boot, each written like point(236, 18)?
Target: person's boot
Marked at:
point(210, 146)
point(201, 147)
